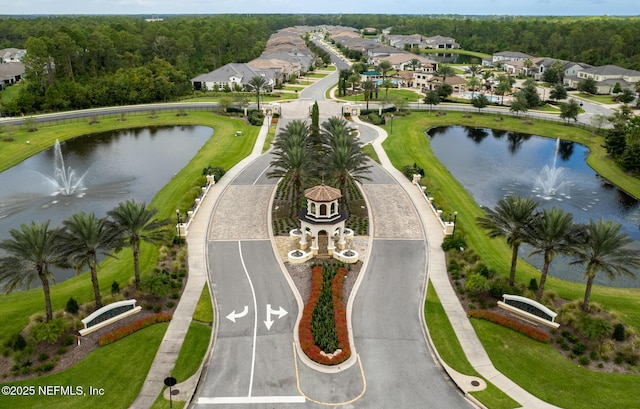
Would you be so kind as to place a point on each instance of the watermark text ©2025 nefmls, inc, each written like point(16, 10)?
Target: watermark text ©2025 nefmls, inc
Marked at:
point(50, 390)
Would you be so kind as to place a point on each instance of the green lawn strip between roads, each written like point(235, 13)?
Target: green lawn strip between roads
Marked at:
point(222, 149)
point(546, 373)
point(409, 145)
point(394, 93)
point(204, 308)
point(449, 349)
point(119, 369)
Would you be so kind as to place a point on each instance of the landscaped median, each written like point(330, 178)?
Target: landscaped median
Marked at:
point(323, 331)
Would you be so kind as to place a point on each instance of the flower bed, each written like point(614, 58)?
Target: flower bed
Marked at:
point(339, 317)
point(522, 328)
point(129, 329)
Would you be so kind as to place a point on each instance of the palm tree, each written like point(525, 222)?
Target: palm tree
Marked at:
point(85, 239)
point(32, 250)
point(474, 83)
point(510, 219)
point(138, 223)
point(384, 67)
point(258, 84)
point(552, 232)
point(368, 86)
point(293, 152)
point(445, 71)
point(414, 63)
point(345, 160)
point(604, 249)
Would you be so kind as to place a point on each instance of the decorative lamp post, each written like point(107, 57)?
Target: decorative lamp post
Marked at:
point(455, 216)
point(391, 124)
point(179, 223)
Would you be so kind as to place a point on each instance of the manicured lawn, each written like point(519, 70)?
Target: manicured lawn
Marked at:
point(543, 371)
point(119, 369)
point(450, 351)
point(276, 96)
point(204, 308)
point(394, 93)
point(192, 352)
point(602, 99)
point(10, 93)
point(222, 149)
point(370, 152)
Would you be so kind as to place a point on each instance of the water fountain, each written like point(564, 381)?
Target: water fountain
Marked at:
point(551, 183)
point(64, 178)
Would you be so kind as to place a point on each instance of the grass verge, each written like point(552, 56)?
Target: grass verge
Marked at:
point(449, 349)
point(546, 373)
point(204, 308)
point(118, 369)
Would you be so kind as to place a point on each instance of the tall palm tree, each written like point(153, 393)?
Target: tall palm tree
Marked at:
point(32, 250)
point(85, 239)
point(551, 233)
point(510, 219)
point(258, 84)
point(384, 67)
point(293, 156)
point(604, 250)
point(344, 157)
point(138, 224)
point(369, 87)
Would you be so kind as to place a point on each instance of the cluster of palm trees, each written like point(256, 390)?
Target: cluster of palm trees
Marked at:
point(599, 245)
point(79, 243)
point(307, 154)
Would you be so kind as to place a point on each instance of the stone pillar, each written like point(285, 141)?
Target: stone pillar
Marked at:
point(342, 243)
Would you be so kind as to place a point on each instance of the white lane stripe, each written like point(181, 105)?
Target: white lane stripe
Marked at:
point(260, 175)
point(255, 320)
point(253, 399)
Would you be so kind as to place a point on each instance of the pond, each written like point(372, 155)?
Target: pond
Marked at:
point(104, 169)
point(491, 164)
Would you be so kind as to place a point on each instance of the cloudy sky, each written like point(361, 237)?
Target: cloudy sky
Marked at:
point(503, 7)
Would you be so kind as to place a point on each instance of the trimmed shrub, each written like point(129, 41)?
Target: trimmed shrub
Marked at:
point(129, 329)
point(619, 333)
point(72, 306)
point(115, 287)
point(48, 331)
point(524, 329)
point(19, 343)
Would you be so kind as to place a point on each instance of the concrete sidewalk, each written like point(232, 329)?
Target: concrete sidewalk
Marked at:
point(437, 274)
point(167, 354)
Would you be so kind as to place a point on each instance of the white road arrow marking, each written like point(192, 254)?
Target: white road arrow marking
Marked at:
point(233, 315)
point(280, 312)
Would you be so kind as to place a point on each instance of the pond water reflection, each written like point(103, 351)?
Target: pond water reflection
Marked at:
point(116, 166)
point(492, 164)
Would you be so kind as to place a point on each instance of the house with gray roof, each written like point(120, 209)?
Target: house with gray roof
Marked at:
point(606, 77)
point(10, 73)
point(233, 75)
point(505, 56)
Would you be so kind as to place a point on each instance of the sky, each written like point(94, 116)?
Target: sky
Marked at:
point(464, 7)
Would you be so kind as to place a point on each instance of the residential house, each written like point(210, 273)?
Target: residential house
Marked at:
point(606, 77)
point(10, 73)
point(458, 84)
point(402, 62)
point(505, 56)
point(231, 75)
point(9, 55)
point(440, 42)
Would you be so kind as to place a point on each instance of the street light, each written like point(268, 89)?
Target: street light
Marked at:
point(179, 222)
point(391, 124)
point(455, 216)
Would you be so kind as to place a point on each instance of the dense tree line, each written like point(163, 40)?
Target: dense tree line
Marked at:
point(87, 61)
